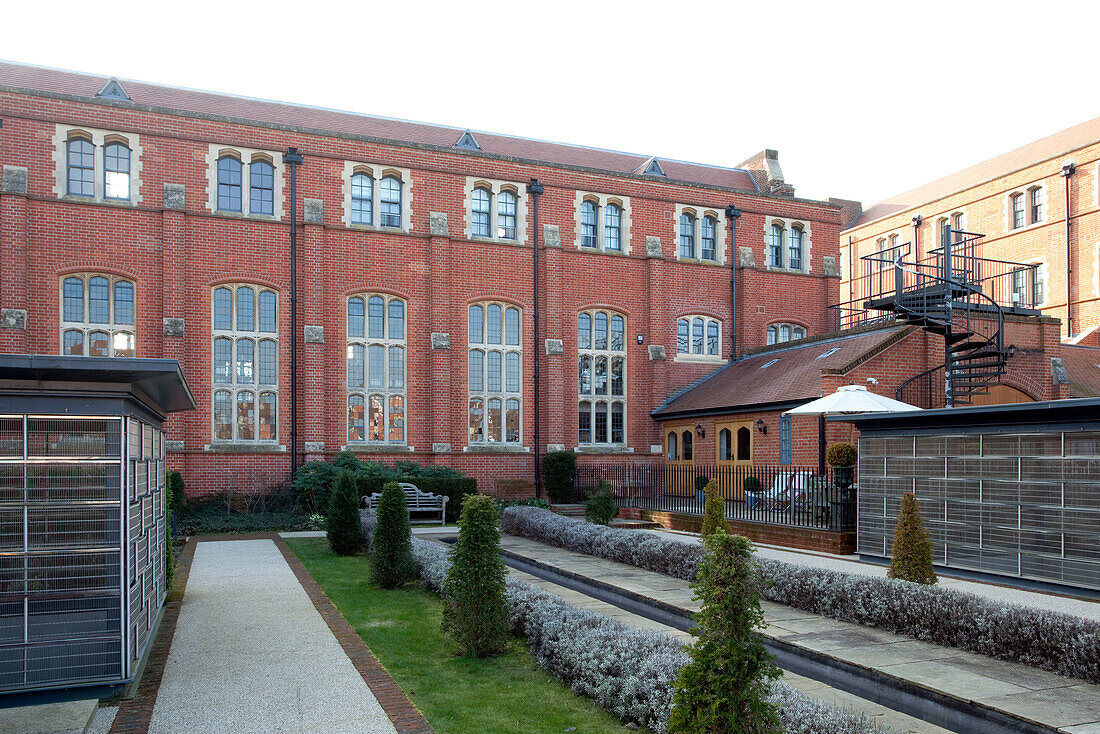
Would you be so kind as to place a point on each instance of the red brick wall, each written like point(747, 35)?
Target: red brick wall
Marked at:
point(175, 257)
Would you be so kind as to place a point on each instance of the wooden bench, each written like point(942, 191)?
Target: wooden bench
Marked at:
point(417, 501)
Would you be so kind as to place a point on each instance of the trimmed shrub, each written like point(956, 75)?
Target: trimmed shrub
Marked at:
point(454, 488)
point(529, 502)
point(714, 511)
point(169, 556)
point(312, 484)
point(1061, 643)
point(841, 453)
point(475, 611)
point(912, 555)
point(177, 497)
point(724, 687)
point(242, 513)
point(391, 558)
point(558, 469)
point(627, 671)
point(600, 507)
point(345, 532)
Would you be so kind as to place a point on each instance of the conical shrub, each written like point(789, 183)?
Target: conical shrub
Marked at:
point(475, 612)
point(714, 510)
point(392, 561)
point(342, 524)
point(912, 557)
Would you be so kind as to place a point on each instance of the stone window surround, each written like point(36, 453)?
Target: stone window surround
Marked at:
point(1026, 192)
point(609, 446)
point(1044, 268)
point(85, 326)
point(495, 187)
point(690, 357)
point(245, 156)
point(719, 226)
point(485, 394)
point(386, 391)
point(807, 242)
point(378, 171)
point(100, 139)
point(601, 201)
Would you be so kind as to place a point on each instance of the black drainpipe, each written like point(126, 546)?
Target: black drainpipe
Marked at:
point(732, 214)
point(534, 188)
point(1068, 170)
point(293, 159)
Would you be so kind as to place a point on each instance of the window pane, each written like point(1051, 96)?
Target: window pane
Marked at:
point(618, 326)
point(361, 204)
point(682, 336)
point(785, 333)
point(246, 309)
point(375, 317)
point(73, 289)
point(584, 375)
point(687, 236)
point(397, 368)
point(687, 450)
point(709, 244)
point(712, 338)
point(697, 336)
point(584, 331)
point(612, 223)
point(798, 333)
point(476, 325)
point(795, 256)
point(775, 246)
point(773, 335)
point(268, 311)
point(512, 368)
point(493, 426)
point(397, 418)
point(269, 362)
point(355, 318)
point(261, 188)
point(584, 422)
point(493, 371)
point(479, 221)
point(116, 164)
point(376, 367)
point(672, 452)
point(124, 302)
point(269, 407)
point(397, 319)
point(477, 434)
point(223, 309)
point(122, 344)
point(493, 323)
point(376, 431)
point(617, 376)
point(506, 215)
point(245, 364)
point(511, 421)
point(99, 345)
point(73, 343)
point(618, 429)
point(600, 381)
point(246, 416)
point(229, 184)
point(476, 370)
point(601, 423)
point(391, 202)
point(99, 303)
point(357, 424)
point(223, 416)
point(223, 355)
point(588, 224)
point(356, 365)
point(511, 326)
point(600, 342)
point(81, 167)
point(724, 445)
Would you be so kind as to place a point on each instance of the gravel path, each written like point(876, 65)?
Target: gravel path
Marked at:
point(252, 654)
point(1011, 595)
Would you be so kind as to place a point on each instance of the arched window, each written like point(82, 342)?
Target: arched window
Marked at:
point(784, 439)
point(229, 184)
point(601, 346)
point(479, 204)
point(116, 171)
point(1036, 200)
point(362, 199)
point(588, 224)
point(376, 366)
point(673, 454)
point(775, 246)
point(725, 445)
point(709, 239)
point(390, 205)
point(245, 365)
point(683, 336)
point(261, 187)
point(81, 167)
point(698, 335)
point(794, 260)
point(495, 373)
point(687, 235)
point(779, 333)
point(97, 316)
point(685, 450)
point(613, 227)
point(744, 444)
point(506, 215)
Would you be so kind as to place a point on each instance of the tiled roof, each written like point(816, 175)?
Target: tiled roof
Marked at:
point(1051, 146)
point(33, 78)
point(1083, 367)
point(795, 375)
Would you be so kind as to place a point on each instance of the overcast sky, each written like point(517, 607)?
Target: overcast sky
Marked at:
point(862, 100)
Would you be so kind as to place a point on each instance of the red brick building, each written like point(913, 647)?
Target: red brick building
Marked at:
point(138, 219)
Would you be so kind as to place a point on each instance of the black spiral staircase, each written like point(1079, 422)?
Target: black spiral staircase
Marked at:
point(952, 292)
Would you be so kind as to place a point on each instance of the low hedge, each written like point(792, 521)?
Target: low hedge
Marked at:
point(1058, 642)
point(455, 488)
point(627, 671)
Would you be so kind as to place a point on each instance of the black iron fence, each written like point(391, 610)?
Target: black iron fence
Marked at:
point(799, 496)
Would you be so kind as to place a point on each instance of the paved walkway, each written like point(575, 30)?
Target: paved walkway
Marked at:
point(252, 654)
point(851, 564)
point(1067, 704)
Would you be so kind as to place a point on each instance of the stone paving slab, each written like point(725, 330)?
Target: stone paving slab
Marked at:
point(64, 717)
point(1037, 695)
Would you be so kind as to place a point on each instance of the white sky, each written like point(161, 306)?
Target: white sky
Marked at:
point(862, 100)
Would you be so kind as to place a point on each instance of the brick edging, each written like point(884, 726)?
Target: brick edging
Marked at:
point(400, 710)
point(134, 714)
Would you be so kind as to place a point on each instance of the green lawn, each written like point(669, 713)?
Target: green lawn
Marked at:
point(508, 694)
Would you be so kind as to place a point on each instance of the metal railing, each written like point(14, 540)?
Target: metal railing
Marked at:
point(776, 495)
